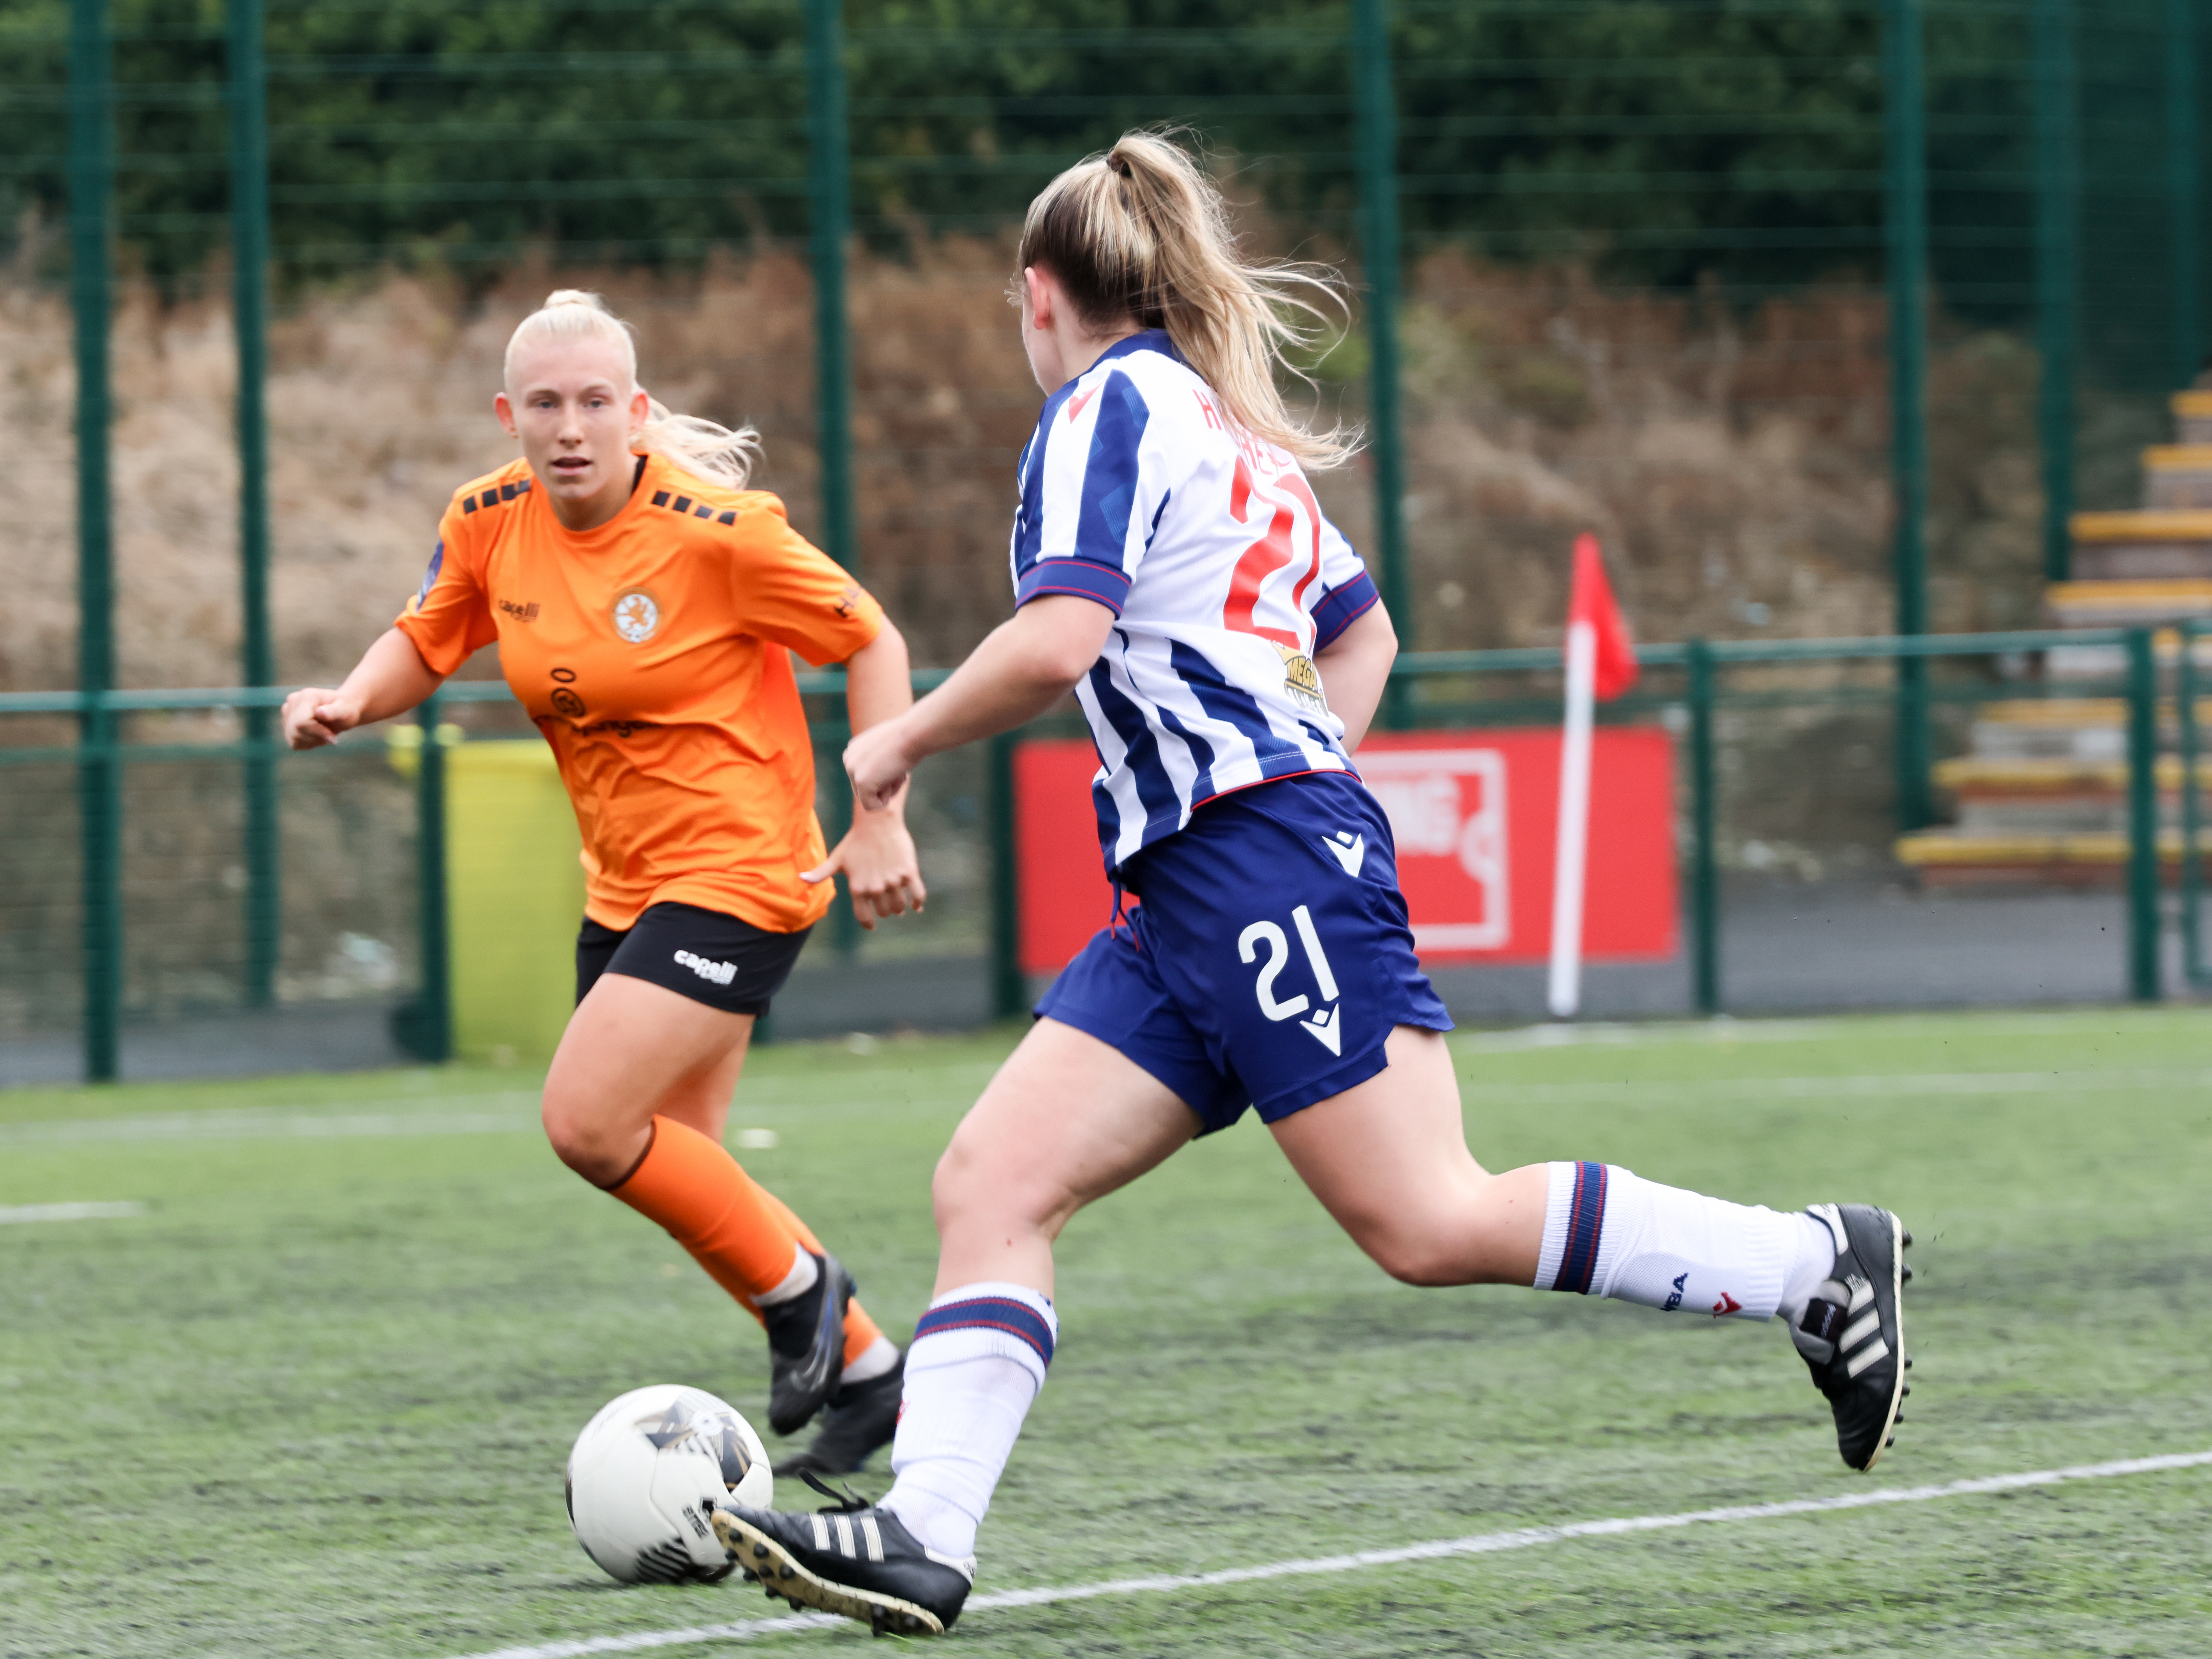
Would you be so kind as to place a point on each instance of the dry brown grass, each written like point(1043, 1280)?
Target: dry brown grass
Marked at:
point(1732, 463)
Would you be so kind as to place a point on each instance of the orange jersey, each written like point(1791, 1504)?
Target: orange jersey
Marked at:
point(651, 652)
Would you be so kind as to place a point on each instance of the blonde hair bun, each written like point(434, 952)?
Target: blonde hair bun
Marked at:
point(710, 453)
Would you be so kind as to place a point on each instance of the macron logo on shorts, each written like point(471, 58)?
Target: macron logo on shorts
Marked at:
point(719, 973)
point(1348, 849)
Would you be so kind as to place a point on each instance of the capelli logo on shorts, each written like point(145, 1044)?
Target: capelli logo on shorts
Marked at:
point(719, 973)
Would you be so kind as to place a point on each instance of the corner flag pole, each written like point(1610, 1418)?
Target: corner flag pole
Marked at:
point(1570, 865)
point(1601, 664)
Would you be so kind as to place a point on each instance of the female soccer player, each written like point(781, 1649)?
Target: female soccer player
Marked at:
point(1172, 568)
point(645, 604)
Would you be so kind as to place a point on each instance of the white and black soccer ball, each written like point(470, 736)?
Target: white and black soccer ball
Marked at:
point(643, 1477)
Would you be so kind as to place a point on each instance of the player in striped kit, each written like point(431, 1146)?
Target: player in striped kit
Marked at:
point(1172, 567)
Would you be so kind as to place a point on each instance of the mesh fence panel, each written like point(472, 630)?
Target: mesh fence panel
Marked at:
point(347, 922)
point(1644, 249)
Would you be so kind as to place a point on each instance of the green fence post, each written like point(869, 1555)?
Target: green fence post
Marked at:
point(2192, 813)
point(424, 1026)
point(1905, 125)
point(1377, 147)
point(99, 803)
point(2057, 223)
point(845, 928)
point(2144, 883)
point(830, 191)
point(1705, 852)
point(1009, 993)
point(249, 246)
point(2182, 186)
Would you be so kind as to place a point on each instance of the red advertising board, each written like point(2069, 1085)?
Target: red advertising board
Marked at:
point(1475, 816)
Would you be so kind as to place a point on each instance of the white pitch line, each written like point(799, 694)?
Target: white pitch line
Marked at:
point(106, 1212)
point(1598, 1091)
point(1486, 1543)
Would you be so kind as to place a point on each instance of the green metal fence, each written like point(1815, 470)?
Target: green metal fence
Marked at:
point(1823, 206)
point(1699, 689)
point(2015, 162)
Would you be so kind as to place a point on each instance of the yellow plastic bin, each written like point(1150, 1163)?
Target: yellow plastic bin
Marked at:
point(514, 894)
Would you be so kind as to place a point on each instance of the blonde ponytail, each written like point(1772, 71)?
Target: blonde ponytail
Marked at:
point(1140, 232)
point(713, 454)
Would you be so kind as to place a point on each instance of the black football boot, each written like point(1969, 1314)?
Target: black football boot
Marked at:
point(859, 1420)
point(1851, 1334)
point(849, 1558)
point(806, 1347)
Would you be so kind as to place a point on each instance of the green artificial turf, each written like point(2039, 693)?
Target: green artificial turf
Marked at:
point(317, 1398)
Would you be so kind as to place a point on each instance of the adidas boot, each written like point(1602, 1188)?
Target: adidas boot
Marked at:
point(1851, 1334)
point(850, 1559)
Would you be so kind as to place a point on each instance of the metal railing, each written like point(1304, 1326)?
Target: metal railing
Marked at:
point(1976, 151)
point(1479, 687)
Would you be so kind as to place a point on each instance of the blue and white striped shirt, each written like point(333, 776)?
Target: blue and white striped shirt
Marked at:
point(1138, 492)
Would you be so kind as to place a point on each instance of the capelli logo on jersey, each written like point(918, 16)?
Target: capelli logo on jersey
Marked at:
point(715, 973)
point(636, 615)
point(520, 612)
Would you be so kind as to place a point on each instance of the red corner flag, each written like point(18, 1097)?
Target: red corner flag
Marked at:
point(1601, 664)
point(1592, 602)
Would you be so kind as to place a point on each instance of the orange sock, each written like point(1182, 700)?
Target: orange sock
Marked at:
point(728, 1222)
point(741, 1233)
point(860, 1331)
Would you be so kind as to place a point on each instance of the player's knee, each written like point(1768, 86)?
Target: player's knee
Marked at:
point(963, 1182)
point(581, 1141)
point(977, 1184)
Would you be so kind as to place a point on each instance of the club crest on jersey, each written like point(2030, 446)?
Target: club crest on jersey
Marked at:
point(636, 615)
point(1302, 680)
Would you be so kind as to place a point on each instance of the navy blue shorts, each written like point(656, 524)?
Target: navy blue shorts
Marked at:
point(1270, 958)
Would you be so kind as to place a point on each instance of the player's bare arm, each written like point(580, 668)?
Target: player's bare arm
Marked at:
point(390, 679)
point(1355, 667)
point(877, 855)
point(1023, 667)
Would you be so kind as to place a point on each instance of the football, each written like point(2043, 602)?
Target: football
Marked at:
point(645, 1473)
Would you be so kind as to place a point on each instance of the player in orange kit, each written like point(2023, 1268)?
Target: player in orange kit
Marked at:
point(645, 604)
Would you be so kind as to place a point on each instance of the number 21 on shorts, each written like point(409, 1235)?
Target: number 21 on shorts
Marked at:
point(1324, 1027)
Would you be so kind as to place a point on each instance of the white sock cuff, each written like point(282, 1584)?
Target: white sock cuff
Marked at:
point(879, 1357)
point(1574, 1214)
point(1010, 1322)
point(805, 1271)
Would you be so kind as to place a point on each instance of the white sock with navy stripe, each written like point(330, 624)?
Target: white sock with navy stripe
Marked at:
point(977, 1360)
point(1609, 1232)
